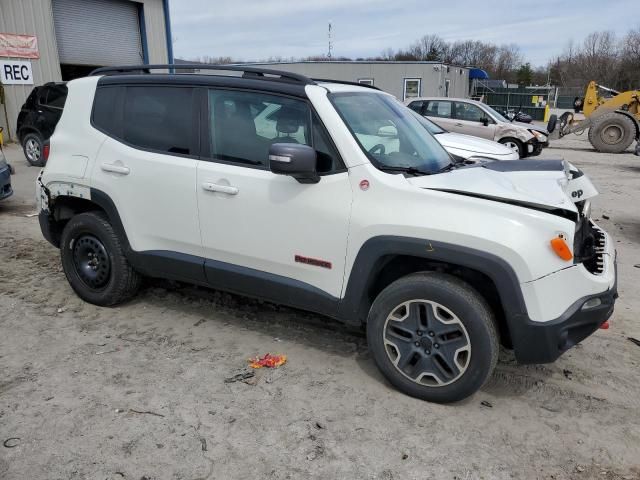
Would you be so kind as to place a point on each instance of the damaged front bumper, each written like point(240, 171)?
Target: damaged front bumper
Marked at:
point(565, 307)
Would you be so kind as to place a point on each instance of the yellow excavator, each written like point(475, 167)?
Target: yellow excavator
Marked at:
point(612, 117)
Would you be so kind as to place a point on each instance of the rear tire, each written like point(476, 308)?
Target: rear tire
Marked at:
point(612, 133)
point(551, 125)
point(32, 145)
point(515, 145)
point(433, 337)
point(94, 262)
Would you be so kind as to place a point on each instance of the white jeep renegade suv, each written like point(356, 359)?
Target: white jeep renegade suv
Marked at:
point(279, 187)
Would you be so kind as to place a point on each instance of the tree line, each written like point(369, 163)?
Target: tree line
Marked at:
point(601, 56)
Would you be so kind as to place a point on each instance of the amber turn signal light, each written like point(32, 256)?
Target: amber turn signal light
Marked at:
point(561, 248)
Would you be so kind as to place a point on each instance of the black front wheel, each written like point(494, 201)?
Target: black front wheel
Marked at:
point(433, 337)
point(94, 262)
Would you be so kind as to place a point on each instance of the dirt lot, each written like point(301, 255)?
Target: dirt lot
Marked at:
point(138, 391)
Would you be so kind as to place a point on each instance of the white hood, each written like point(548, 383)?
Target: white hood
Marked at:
point(527, 182)
point(475, 145)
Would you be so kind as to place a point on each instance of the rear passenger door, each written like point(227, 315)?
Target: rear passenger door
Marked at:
point(147, 164)
point(265, 234)
point(440, 112)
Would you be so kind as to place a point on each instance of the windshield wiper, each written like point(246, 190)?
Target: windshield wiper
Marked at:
point(449, 167)
point(409, 170)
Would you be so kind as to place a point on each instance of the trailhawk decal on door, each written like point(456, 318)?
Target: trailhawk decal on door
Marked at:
point(313, 261)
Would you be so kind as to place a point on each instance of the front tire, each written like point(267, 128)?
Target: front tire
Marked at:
point(32, 145)
point(515, 145)
point(612, 133)
point(94, 262)
point(433, 337)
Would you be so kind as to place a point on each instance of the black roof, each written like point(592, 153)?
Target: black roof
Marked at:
point(251, 77)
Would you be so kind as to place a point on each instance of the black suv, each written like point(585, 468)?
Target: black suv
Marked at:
point(38, 119)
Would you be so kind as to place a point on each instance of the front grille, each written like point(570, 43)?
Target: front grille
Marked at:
point(589, 246)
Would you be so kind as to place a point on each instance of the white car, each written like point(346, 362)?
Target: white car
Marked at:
point(467, 147)
point(316, 206)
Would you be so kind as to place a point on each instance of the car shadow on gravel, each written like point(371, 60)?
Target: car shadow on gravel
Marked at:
point(321, 333)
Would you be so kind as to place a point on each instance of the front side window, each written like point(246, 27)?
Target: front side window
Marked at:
point(159, 119)
point(389, 133)
point(469, 112)
point(244, 125)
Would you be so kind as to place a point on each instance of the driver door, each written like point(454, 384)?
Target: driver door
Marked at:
point(470, 119)
point(270, 230)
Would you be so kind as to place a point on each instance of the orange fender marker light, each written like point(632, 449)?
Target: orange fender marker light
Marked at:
point(561, 248)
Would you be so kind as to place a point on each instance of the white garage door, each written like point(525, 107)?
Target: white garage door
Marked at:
point(97, 32)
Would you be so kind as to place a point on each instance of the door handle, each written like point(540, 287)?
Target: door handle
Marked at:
point(214, 187)
point(109, 167)
point(459, 125)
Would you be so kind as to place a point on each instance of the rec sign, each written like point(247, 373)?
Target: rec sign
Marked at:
point(14, 72)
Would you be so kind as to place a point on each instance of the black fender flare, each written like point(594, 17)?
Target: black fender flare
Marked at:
point(375, 252)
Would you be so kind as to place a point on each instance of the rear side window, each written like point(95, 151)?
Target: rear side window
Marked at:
point(56, 96)
point(159, 119)
point(438, 109)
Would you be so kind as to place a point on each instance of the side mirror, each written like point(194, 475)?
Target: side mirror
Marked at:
point(297, 161)
point(485, 121)
point(388, 131)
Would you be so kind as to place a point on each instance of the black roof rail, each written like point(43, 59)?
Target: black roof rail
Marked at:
point(248, 72)
point(345, 82)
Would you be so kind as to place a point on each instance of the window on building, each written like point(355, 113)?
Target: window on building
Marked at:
point(159, 118)
point(438, 108)
point(412, 87)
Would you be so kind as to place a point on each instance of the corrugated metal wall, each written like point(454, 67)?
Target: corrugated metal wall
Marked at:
point(30, 17)
point(35, 17)
point(388, 76)
point(99, 32)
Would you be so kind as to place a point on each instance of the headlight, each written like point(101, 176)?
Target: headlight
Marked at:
point(539, 136)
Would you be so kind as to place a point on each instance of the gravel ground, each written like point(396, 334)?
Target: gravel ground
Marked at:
point(138, 391)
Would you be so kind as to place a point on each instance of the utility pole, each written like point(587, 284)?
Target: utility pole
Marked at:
point(330, 42)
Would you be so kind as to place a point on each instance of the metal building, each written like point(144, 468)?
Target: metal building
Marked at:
point(401, 79)
point(57, 40)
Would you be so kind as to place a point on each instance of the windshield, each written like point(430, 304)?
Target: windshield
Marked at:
point(496, 115)
point(428, 124)
point(389, 133)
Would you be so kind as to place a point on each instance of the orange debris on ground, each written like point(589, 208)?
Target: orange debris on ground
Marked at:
point(268, 360)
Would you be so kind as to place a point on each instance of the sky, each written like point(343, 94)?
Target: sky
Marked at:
point(252, 30)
